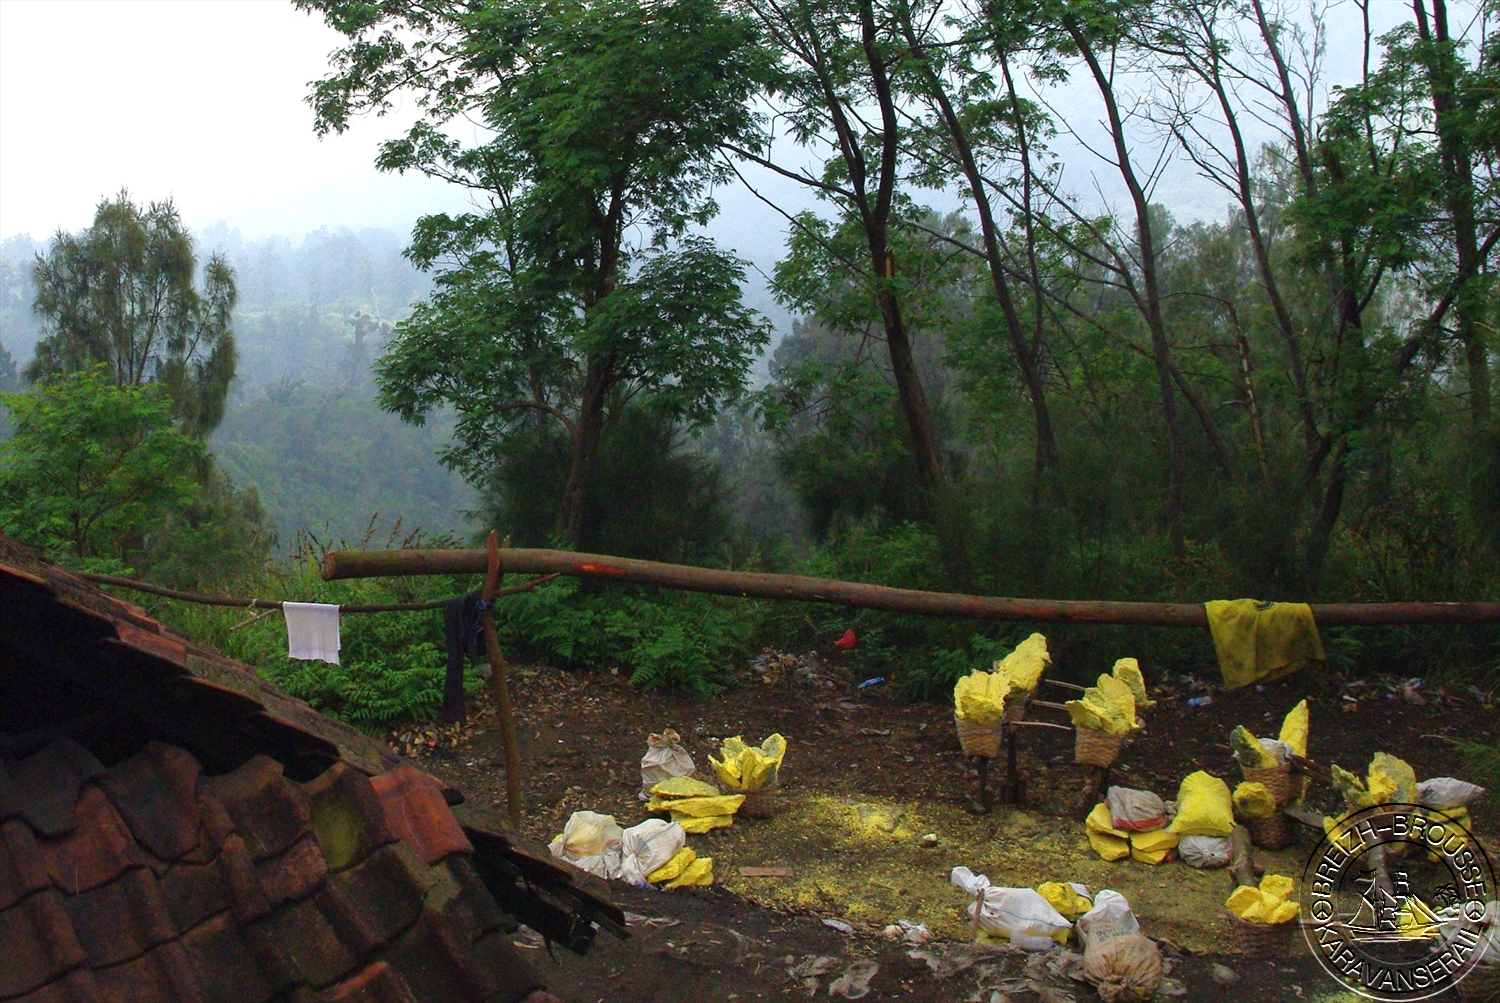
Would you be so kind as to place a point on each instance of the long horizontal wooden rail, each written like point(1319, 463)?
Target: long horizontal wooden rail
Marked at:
point(797, 588)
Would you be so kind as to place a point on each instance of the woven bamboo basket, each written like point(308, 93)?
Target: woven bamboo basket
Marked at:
point(1261, 940)
point(980, 739)
point(1271, 833)
point(1015, 706)
point(1096, 748)
point(763, 803)
point(1278, 779)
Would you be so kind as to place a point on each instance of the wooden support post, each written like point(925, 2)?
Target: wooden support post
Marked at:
point(501, 685)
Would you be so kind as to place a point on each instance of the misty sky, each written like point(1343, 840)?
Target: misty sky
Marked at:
point(203, 102)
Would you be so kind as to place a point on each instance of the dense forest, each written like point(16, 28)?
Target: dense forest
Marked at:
point(1012, 371)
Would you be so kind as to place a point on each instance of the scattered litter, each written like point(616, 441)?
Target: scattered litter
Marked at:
point(855, 982)
point(810, 970)
point(1206, 700)
point(1224, 976)
point(651, 922)
point(847, 641)
point(665, 758)
point(878, 732)
point(765, 872)
point(1171, 987)
point(947, 959)
point(838, 925)
point(870, 682)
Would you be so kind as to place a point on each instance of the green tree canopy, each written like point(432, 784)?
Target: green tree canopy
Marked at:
point(578, 284)
point(123, 294)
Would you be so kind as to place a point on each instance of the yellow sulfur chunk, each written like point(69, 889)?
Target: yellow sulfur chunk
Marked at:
point(1023, 667)
point(1152, 847)
point(1107, 707)
point(1258, 910)
point(724, 804)
point(1128, 671)
point(1242, 898)
point(1351, 788)
point(1414, 919)
point(685, 787)
point(749, 768)
point(1088, 715)
point(1284, 913)
point(699, 824)
point(1101, 821)
point(1391, 779)
point(1121, 701)
point(1278, 886)
point(674, 866)
point(1294, 730)
point(1248, 750)
point(1254, 800)
point(1069, 904)
point(1109, 847)
point(698, 874)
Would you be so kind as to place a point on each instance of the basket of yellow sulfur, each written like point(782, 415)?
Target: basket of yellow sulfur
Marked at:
point(1096, 748)
point(980, 739)
point(1262, 940)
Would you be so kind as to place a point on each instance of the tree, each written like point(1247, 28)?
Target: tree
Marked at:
point(577, 284)
point(122, 293)
point(95, 468)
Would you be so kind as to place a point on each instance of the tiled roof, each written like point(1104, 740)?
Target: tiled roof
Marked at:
point(160, 883)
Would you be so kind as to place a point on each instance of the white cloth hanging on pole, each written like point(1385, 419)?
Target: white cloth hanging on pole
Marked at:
point(312, 631)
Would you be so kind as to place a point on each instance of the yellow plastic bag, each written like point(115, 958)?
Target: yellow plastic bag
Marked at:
point(1204, 807)
point(1065, 899)
point(1109, 847)
point(749, 768)
point(674, 866)
point(698, 874)
point(1254, 800)
point(1128, 671)
point(1294, 730)
point(1152, 847)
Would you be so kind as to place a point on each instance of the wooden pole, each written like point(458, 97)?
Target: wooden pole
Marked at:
point(798, 588)
point(500, 684)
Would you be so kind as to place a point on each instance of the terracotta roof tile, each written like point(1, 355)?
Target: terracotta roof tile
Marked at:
point(416, 812)
point(385, 891)
point(268, 812)
point(294, 874)
point(461, 898)
point(347, 816)
point(120, 920)
point(379, 983)
point(78, 986)
point(156, 793)
point(96, 852)
point(39, 943)
point(507, 975)
point(247, 898)
point(48, 783)
point(194, 892)
point(164, 975)
point(316, 936)
point(22, 867)
point(231, 970)
point(434, 962)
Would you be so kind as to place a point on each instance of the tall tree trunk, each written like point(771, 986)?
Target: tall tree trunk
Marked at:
point(1150, 300)
point(876, 220)
point(1458, 193)
point(584, 453)
point(1046, 444)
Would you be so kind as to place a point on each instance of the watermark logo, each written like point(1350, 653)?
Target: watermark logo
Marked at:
point(1398, 901)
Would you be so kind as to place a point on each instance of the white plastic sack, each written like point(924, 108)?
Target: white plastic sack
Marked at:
point(1447, 793)
point(1136, 811)
point(645, 847)
point(1205, 852)
point(1277, 748)
point(1019, 914)
point(665, 758)
point(590, 842)
point(1110, 918)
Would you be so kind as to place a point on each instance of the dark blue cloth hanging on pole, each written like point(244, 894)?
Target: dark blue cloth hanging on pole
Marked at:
point(461, 627)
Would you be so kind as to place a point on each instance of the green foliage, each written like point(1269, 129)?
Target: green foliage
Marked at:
point(122, 294)
point(94, 469)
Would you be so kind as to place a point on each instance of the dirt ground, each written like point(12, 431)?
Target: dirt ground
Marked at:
point(866, 776)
